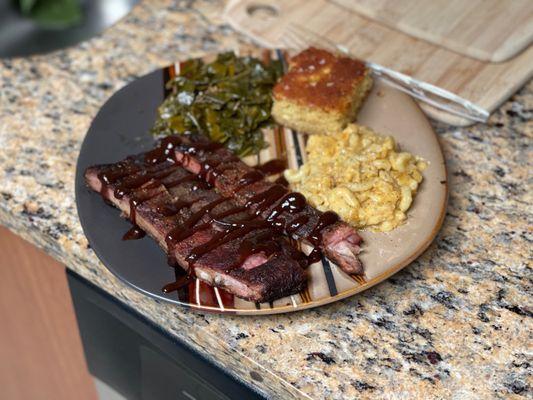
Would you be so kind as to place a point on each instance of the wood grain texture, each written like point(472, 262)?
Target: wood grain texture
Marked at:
point(41, 355)
point(480, 29)
point(486, 84)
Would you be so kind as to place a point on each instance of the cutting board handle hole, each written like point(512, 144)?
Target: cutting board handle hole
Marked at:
point(262, 11)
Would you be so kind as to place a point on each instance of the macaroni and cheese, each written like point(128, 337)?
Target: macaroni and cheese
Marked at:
point(360, 175)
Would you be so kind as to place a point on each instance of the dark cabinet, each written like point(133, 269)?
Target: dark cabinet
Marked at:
point(140, 361)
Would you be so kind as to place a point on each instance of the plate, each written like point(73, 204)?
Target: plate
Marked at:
point(121, 129)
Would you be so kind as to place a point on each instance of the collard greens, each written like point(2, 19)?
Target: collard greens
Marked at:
point(229, 100)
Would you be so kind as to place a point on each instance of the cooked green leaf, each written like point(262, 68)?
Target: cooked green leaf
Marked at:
point(228, 100)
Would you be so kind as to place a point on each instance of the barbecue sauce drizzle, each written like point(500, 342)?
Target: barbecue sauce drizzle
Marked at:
point(272, 167)
point(291, 202)
point(134, 233)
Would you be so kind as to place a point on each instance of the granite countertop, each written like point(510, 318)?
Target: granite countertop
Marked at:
point(454, 324)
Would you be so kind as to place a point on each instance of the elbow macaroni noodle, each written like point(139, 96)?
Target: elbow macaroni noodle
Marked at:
point(361, 176)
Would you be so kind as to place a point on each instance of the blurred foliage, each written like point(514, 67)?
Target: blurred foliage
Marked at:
point(55, 14)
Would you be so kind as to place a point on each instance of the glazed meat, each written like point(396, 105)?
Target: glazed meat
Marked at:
point(211, 236)
point(269, 201)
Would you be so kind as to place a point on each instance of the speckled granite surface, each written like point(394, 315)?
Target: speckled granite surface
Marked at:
point(455, 324)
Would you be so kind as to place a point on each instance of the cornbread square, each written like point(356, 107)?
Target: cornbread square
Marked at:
point(321, 92)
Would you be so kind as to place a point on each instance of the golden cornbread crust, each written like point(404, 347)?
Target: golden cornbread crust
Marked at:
point(321, 93)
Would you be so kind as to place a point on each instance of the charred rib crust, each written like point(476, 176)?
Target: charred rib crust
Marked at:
point(277, 276)
point(227, 182)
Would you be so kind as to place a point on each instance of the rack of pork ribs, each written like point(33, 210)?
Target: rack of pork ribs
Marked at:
point(223, 221)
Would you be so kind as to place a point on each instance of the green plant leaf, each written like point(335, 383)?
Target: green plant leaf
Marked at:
point(25, 6)
point(56, 13)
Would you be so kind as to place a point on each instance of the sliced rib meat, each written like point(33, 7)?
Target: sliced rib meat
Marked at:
point(233, 178)
point(164, 200)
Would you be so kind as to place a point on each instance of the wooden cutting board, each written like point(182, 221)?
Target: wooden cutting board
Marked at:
point(489, 30)
point(484, 83)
